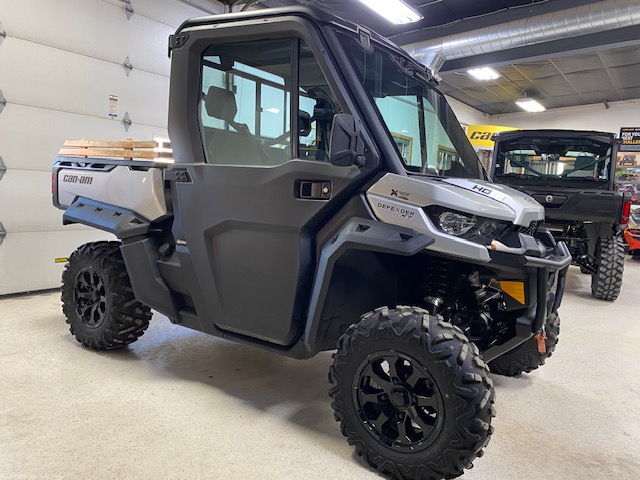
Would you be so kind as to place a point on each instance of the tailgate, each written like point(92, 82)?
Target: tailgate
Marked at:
point(601, 206)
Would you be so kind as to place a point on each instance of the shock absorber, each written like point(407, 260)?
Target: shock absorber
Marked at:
point(435, 285)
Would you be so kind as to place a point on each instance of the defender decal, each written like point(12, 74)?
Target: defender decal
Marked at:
point(403, 212)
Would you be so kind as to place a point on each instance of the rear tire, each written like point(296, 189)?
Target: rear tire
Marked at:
point(606, 282)
point(98, 300)
point(526, 357)
point(412, 394)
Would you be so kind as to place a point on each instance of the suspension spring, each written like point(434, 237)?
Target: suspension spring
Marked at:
point(435, 286)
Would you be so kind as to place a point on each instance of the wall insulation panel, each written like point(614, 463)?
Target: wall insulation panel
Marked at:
point(60, 63)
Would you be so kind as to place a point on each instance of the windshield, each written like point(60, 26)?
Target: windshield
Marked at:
point(554, 158)
point(426, 133)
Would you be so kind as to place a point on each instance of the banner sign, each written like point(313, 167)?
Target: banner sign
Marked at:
point(630, 137)
point(480, 135)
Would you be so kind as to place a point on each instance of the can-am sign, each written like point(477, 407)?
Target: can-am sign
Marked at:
point(630, 137)
point(480, 135)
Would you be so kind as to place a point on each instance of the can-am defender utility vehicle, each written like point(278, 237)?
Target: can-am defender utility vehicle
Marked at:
point(572, 174)
point(319, 175)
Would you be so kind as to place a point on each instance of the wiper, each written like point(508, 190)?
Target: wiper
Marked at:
point(412, 68)
point(519, 175)
point(519, 164)
point(585, 167)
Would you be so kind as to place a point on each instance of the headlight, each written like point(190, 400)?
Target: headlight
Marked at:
point(470, 227)
point(456, 223)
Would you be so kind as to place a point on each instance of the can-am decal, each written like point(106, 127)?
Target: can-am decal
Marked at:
point(82, 179)
point(403, 212)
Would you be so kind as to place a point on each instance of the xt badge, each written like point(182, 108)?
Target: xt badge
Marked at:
point(400, 194)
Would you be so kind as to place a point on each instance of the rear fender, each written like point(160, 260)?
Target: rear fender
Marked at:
point(121, 222)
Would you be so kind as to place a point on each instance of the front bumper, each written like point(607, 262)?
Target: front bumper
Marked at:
point(541, 272)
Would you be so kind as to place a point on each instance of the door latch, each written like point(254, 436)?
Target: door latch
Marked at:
point(314, 190)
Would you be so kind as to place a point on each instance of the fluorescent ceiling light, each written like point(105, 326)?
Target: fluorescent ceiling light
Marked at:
point(484, 73)
point(530, 105)
point(395, 11)
point(272, 110)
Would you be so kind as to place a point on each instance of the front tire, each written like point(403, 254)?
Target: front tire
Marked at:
point(606, 282)
point(412, 394)
point(98, 300)
point(526, 357)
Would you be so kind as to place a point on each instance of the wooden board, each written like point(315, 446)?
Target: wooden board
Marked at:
point(128, 149)
point(111, 143)
point(106, 152)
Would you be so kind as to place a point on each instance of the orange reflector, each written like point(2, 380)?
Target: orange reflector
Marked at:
point(514, 289)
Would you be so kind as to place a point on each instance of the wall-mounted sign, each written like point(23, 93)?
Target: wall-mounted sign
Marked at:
point(480, 135)
point(630, 137)
point(113, 106)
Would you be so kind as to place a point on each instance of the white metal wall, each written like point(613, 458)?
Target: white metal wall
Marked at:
point(59, 62)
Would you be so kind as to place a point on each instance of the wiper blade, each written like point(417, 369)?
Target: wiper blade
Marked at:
point(519, 164)
point(522, 175)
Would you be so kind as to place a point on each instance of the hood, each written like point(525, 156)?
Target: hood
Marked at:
point(526, 208)
point(475, 197)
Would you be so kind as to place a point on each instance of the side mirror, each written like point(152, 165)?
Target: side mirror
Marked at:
point(347, 146)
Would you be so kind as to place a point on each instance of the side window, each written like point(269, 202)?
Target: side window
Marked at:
point(318, 105)
point(246, 99)
point(245, 111)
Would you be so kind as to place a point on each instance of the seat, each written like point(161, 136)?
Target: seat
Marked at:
point(225, 146)
point(583, 162)
point(456, 170)
point(582, 167)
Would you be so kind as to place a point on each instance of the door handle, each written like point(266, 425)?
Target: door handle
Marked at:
point(314, 190)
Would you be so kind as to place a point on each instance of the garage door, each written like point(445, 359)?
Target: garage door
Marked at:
point(63, 76)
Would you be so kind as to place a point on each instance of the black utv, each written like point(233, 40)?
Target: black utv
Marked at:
point(572, 173)
point(319, 180)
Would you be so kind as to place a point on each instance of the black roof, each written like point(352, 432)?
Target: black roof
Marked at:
point(315, 14)
point(512, 134)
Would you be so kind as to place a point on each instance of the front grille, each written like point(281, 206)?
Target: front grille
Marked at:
point(532, 229)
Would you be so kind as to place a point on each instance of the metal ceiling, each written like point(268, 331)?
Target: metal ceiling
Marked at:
point(597, 67)
point(561, 81)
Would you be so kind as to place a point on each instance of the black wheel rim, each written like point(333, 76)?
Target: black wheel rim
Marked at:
point(398, 401)
point(89, 297)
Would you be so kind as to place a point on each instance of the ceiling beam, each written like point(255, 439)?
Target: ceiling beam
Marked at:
point(613, 82)
point(489, 20)
point(567, 46)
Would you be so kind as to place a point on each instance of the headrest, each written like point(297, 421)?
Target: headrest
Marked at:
point(220, 103)
point(583, 163)
point(304, 123)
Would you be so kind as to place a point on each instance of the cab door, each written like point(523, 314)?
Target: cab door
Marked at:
point(249, 213)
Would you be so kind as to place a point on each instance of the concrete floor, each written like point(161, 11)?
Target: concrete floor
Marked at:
point(182, 405)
